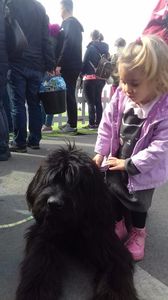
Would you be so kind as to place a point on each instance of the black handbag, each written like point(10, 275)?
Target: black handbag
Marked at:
point(16, 41)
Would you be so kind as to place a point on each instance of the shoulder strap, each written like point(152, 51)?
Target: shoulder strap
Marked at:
point(92, 65)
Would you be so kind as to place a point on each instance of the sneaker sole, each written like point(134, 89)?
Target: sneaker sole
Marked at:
point(67, 132)
point(136, 257)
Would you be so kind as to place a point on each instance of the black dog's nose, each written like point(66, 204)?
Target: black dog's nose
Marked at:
point(54, 201)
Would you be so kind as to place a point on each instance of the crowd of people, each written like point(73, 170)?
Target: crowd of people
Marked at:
point(132, 142)
point(52, 48)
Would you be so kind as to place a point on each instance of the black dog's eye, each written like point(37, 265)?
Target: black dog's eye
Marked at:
point(56, 202)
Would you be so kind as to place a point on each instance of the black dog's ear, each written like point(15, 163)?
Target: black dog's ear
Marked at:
point(33, 187)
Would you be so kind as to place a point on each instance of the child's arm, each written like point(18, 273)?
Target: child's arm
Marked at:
point(105, 131)
point(104, 134)
point(127, 165)
point(156, 152)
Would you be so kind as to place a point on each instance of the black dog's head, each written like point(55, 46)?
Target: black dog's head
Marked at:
point(68, 189)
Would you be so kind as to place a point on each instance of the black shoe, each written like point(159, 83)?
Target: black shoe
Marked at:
point(5, 156)
point(18, 149)
point(34, 147)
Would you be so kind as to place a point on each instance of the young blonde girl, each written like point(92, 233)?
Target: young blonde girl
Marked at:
point(132, 138)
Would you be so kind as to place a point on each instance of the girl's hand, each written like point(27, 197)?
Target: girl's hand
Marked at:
point(58, 71)
point(98, 159)
point(116, 164)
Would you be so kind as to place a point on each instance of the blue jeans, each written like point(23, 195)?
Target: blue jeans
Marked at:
point(4, 132)
point(7, 107)
point(24, 84)
point(46, 119)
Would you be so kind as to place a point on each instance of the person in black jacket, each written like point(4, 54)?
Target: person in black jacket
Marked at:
point(57, 38)
point(70, 61)
point(27, 72)
point(4, 133)
point(92, 86)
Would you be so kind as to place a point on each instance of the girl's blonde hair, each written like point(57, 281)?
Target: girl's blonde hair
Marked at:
point(150, 53)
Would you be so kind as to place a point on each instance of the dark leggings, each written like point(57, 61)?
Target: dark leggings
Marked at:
point(92, 92)
point(138, 219)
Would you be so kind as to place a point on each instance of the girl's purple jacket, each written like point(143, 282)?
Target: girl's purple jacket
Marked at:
point(150, 154)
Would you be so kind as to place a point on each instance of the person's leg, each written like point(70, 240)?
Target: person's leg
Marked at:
point(46, 120)
point(47, 125)
point(35, 118)
point(136, 241)
point(120, 227)
point(18, 87)
point(70, 80)
point(138, 219)
point(98, 102)
point(89, 87)
point(119, 208)
point(4, 131)
point(7, 107)
point(43, 114)
point(49, 120)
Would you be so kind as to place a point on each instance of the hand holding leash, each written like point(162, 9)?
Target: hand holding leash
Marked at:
point(116, 164)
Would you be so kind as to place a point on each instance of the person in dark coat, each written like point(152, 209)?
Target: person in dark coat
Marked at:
point(70, 61)
point(4, 133)
point(92, 86)
point(27, 72)
point(57, 38)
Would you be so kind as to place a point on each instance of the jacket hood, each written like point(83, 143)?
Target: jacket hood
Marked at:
point(75, 21)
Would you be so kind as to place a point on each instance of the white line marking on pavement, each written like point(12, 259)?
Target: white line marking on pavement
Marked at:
point(148, 287)
point(11, 225)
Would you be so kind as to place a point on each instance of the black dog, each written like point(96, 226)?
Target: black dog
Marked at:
point(74, 215)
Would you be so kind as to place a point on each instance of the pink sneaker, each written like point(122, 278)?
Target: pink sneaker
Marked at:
point(121, 230)
point(136, 243)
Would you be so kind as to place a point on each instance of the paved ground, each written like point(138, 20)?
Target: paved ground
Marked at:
point(151, 274)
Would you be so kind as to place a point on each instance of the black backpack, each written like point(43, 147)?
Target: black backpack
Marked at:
point(16, 41)
point(104, 68)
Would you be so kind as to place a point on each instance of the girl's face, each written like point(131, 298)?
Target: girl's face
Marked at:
point(135, 85)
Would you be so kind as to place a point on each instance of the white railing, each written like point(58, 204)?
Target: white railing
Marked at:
point(83, 107)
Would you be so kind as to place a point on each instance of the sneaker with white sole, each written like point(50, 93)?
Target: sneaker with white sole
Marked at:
point(68, 129)
point(136, 243)
point(46, 129)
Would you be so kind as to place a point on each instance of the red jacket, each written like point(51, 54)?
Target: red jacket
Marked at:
point(158, 23)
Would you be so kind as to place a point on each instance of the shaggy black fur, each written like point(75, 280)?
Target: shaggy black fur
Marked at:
point(74, 215)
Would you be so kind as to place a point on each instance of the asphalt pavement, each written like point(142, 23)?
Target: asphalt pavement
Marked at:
point(151, 276)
